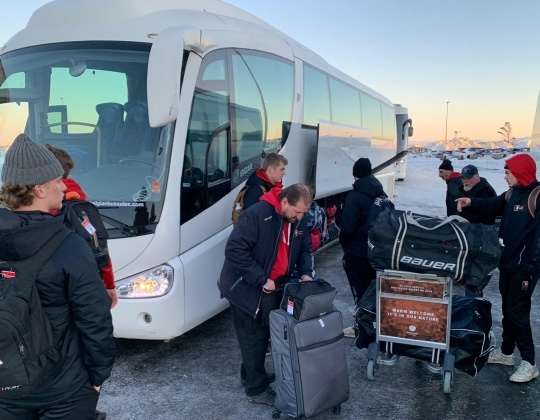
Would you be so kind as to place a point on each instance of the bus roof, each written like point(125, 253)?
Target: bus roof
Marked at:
point(140, 21)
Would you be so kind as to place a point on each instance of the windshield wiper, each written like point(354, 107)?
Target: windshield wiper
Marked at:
point(122, 227)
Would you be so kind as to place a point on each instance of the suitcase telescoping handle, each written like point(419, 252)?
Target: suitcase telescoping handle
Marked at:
point(409, 218)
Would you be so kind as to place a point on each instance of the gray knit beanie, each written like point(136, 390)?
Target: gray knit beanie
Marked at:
point(28, 163)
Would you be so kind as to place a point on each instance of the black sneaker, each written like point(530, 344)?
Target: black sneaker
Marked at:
point(267, 397)
point(270, 377)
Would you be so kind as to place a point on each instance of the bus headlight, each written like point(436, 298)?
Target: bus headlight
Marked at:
point(151, 283)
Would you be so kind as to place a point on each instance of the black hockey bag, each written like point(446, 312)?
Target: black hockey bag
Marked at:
point(453, 247)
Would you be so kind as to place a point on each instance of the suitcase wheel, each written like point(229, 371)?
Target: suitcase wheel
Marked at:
point(447, 381)
point(276, 414)
point(337, 409)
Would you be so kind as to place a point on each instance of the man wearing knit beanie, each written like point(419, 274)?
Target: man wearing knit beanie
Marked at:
point(72, 295)
point(519, 266)
point(352, 237)
point(453, 182)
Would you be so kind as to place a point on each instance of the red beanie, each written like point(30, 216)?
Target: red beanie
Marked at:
point(523, 167)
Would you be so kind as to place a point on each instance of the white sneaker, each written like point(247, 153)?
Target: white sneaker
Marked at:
point(524, 373)
point(349, 332)
point(497, 356)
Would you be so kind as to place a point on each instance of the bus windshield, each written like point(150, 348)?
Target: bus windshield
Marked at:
point(90, 100)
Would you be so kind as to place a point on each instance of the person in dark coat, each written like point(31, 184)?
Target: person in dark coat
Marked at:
point(453, 182)
point(270, 240)
point(69, 285)
point(352, 236)
point(519, 265)
point(264, 179)
point(475, 186)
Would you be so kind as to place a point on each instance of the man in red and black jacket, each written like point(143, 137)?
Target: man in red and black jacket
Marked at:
point(453, 182)
point(519, 265)
point(264, 179)
point(270, 240)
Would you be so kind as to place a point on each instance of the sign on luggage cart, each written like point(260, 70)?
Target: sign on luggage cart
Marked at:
point(413, 309)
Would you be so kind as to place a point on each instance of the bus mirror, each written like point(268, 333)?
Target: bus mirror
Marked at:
point(411, 131)
point(164, 71)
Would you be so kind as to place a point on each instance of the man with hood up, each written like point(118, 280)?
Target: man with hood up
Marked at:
point(519, 265)
point(69, 286)
point(453, 182)
point(264, 179)
point(270, 240)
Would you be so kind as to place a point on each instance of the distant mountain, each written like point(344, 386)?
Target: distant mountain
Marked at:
point(453, 144)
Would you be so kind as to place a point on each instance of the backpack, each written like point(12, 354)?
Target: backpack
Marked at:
point(28, 356)
point(83, 218)
point(531, 201)
point(377, 206)
point(238, 205)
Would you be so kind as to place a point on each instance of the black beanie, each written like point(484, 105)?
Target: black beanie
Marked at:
point(361, 168)
point(447, 165)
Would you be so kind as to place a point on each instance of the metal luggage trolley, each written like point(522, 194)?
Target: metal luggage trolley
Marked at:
point(413, 309)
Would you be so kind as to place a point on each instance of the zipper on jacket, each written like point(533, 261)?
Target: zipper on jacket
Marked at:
point(271, 265)
point(521, 254)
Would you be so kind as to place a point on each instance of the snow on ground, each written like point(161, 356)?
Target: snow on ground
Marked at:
point(424, 192)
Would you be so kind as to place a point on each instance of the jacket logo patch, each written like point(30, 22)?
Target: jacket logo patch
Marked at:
point(517, 207)
point(6, 274)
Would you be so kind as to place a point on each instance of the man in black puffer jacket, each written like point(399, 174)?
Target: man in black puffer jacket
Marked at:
point(69, 285)
point(270, 240)
point(352, 236)
point(519, 265)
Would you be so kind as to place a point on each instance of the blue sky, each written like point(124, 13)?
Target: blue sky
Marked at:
point(481, 55)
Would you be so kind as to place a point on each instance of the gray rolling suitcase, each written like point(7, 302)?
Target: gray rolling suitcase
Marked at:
point(309, 362)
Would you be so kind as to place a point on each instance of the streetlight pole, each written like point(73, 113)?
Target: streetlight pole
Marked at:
point(446, 129)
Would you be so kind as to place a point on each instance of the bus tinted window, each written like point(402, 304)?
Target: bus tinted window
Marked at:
point(316, 96)
point(345, 103)
point(389, 121)
point(371, 115)
point(270, 79)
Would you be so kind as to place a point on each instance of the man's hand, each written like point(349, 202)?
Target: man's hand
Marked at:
point(114, 296)
point(462, 202)
point(269, 286)
point(305, 277)
point(97, 388)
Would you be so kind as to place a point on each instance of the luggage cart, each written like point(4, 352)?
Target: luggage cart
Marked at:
point(413, 309)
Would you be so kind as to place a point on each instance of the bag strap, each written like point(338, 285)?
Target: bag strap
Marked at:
point(412, 221)
point(531, 202)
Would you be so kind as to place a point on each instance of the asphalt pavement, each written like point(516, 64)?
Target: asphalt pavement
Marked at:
point(196, 376)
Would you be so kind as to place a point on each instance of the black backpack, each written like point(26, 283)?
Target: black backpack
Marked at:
point(377, 206)
point(83, 218)
point(28, 356)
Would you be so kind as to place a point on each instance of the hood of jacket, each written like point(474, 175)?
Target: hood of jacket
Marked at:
point(23, 233)
point(260, 177)
point(523, 167)
point(369, 185)
point(272, 197)
point(452, 176)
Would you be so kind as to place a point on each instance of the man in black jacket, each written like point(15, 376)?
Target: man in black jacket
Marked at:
point(69, 285)
point(475, 187)
point(453, 182)
point(264, 179)
point(519, 265)
point(352, 236)
point(270, 240)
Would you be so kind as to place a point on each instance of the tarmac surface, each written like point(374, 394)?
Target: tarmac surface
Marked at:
point(196, 376)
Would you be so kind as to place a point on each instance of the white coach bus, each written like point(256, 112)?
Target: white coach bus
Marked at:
point(167, 106)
